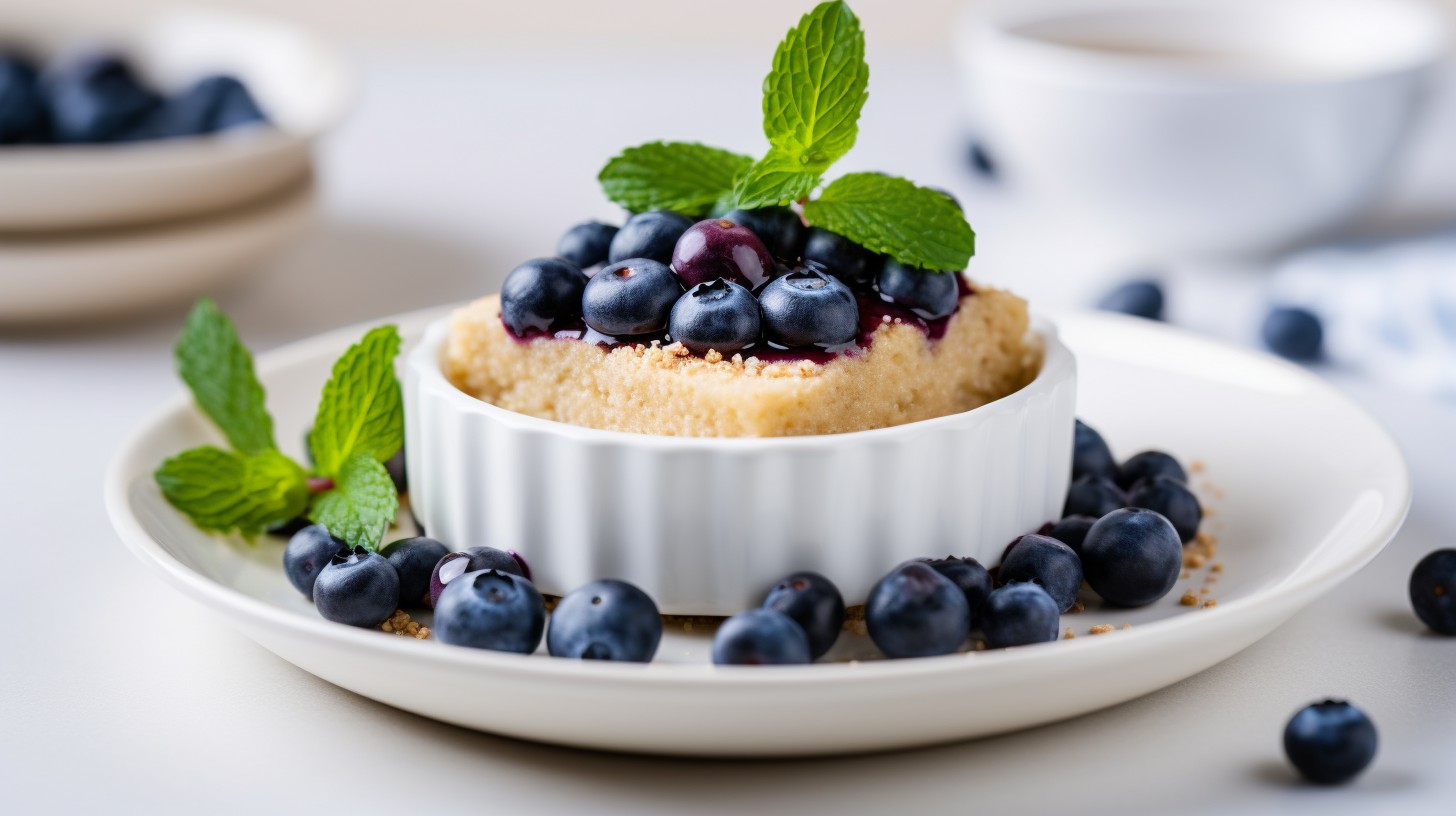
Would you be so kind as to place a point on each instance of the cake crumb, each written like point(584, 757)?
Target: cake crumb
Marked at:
point(980, 646)
point(1203, 591)
point(1210, 603)
point(1189, 599)
point(1077, 606)
point(1069, 634)
point(1125, 626)
point(1216, 567)
point(713, 356)
point(1100, 629)
point(400, 624)
point(423, 634)
point(1197, 466)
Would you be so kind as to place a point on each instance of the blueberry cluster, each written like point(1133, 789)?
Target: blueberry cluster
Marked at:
point(748, 279)
point(97, 98)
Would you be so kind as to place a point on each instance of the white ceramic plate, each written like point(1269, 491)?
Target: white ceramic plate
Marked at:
point(1304, 489)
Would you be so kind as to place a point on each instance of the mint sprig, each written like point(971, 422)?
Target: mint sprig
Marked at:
point(685, 177)
point(915, 225)
point(362, 504)
point(215, 364)
point(773, 180)
point(227, 490)
point(813, 96)
point(362, 410)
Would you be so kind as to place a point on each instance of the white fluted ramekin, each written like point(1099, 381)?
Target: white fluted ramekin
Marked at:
point(706, 526)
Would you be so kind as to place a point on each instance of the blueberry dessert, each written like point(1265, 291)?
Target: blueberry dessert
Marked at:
point(1331, 742)
point(490, 609)
point(915, 611)
point(761, 637)
point(814, 603)
point(605, 620)
point(357, 587)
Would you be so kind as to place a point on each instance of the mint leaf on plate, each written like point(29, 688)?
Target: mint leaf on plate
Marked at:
point(916, 226)
point(685, 177)
point(813, 96)
point(362, 504)
point(215, 364)
point(222, 490)
point(773, 180)
point(361, 410)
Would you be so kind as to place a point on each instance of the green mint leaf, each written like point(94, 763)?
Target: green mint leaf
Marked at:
point(218, 368)
point(362, 504)
point(222, 490)
point(685, 177)
point(773, 180)
point(361, 410)
point(914, 225)
point(813, 96)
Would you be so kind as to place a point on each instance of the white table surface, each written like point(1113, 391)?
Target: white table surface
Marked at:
point(118, 695)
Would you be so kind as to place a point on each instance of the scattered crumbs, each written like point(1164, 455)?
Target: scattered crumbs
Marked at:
point(551, 601)
point(713, 356)
point(1197, 466)
point(1216, 567)
point(1077, 606)
point(1189, 599)
point(1100, 629)
point(1208, 604)
point(1193, 560)
point(1203, 591)
point(1069, 634)
point(1125, 626)
point(980, 646)
point(1185, 575)
point(400, 624)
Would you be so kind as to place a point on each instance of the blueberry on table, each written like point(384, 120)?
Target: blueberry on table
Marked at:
point(1019, 614)
point(587, 243)
point(1433, 591)
point(1149, 465)
point(1330, 743)
point(23, 115)
point(648, 235)
point(760, 637)
point(973, 579)
point(917, 612)
point(809, 308)
point(605, 620)
point(719, 315)
point(1071, 531)
point(1093, 496)
point(719, 248)
point(813, 602)
point(414, 559)
point(927, 293)
point(490, 609)
point(1173, 500)
point(980, 160)
point(1294, 333)
point(842, 258)
point(1049, 563)
point(357, 587)
point(96, 98)
point(308, 551)
point(541, 292)
point(779, 228)
point(474, 559)
point(1139, 298)
point(630, 297)
point(1090, 454)
point(211, 104)
point(1132, 557)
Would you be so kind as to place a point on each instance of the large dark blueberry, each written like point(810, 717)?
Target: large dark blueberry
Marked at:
point(968, 574)
point(414, 559)
point(96, 98)
point(780, 228)
point(541, 292)
point(1139, 298)
point(357, 587)
point(630, 297)
point(1173, 500)
point(587, 243)
point(648, 235)
point(931, 295)
point(1149, 465)
point(1433, 591)
point(1330, 742)
point(813, 602)
point(1049, 563)
point(915, 611)
point(843, 258)
point(808, 308)
point(1093, 496)
point(605, 620)
point(1132, 557)
point(1294, 333)
point(1019, 614)
point(717, 315)
point(1071, 531)
point(1090, 454)
point(719, 248)
point(308, 551)
point(474, 559)
point(491, 609)
point(760, 637)
point(23, 115)
point(209, 105)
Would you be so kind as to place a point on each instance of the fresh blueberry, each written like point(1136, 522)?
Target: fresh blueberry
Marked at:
point(1294, 333)
point(648, 235)
point(474, 559)
point(780, 228)
point(813, 602)
point(1330, 743)
point(1093, 496)
point(968, 574)
point(490, 609)
point(761, 637)
point(915, 611)
point(23, 115)
point(1139, 298)
point(719, 315)
point(1019, 614)
point(1071, 531)
point(927, 293)
point(980, 160)
point(357, 587)
point(842, 257)
point(605, 620)
point(719, 248)
point(1433, 591)
point(1173, 500)
point(541, 292)
point(96, 98)
point(1132, 557)
point(209, 105)
point(1049, 563)
point(414, 559)
point(809, 308)
point(1149, 465)
point(1090, 454)
point(306, 554)
point(587, 243)
point(630, 297)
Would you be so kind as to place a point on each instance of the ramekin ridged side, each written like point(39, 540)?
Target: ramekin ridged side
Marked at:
point(705, 526)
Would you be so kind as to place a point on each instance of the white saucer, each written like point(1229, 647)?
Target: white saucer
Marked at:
point(1304, 489)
